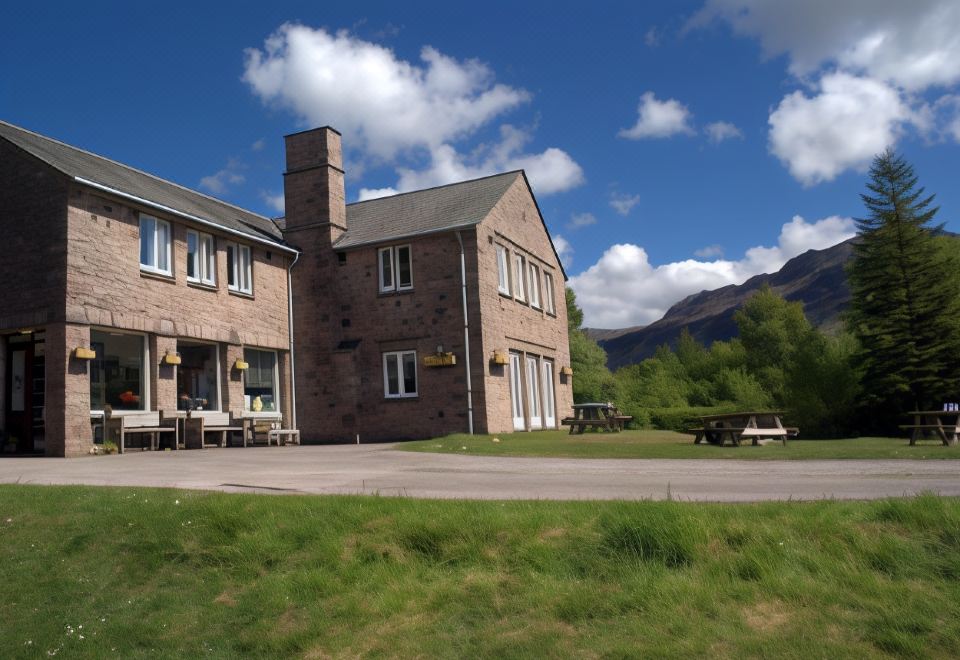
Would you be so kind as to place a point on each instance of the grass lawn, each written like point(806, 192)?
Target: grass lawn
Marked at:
point(96, 572)
point(667, 444)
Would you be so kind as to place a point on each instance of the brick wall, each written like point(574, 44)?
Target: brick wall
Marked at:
point(512, 325)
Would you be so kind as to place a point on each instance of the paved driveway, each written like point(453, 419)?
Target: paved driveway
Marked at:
point(380, 469)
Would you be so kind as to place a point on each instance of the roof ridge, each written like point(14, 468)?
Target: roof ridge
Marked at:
point(444, 185)
point(134, 169)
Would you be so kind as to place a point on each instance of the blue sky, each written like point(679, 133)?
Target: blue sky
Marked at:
point(673, 148)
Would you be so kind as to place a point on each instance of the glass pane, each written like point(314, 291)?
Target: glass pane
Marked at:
point(259, 379)
point(147, 239)
point(393, 376)
point(231, 274)
point(163, 246)
point(534, 285)
point(404, 271)
point(116, 374)
point(207, 254)
point(502, 269)
point(409, 373)
point(247, 274)
point(197, 387)
point(192, 257)
point(386, 269)
point(518, 277)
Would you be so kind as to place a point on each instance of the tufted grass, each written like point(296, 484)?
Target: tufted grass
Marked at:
point(166, 573)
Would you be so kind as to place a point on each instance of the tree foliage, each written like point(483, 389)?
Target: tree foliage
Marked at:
point(592, 380)
point(905, 296)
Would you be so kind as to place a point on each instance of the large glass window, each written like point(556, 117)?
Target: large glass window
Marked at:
point(260, 380)
point(549, 300)
point(117, 373)
point(503, 282)
point(155, 245)
point(534, 285)
point(396, 268)
point(201, 264)
point(519, 290)
point(239, 268)
point(400, 374)
point(198, 382)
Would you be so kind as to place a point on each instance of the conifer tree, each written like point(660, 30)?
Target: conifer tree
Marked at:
point(905, 296)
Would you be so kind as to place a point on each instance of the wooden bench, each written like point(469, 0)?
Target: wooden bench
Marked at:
point(198, 425)
point(578, 425)
point(737, 433)
point(136, 423)
point(281, 435)
point(946, 433)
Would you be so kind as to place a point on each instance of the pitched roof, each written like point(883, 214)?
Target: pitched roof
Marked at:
point(90, 168)
point(445, 208)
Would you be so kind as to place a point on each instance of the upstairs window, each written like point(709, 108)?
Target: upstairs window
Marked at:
point(503, 271)
point(239, 268)
point(395, 264)
point(400, 374)
point(155, 245)
point(534, 286)
point(549, 295)
point(519, 290)
point(201, 258)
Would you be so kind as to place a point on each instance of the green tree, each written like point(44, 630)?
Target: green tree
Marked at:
point(905, 296)
point(592, 380)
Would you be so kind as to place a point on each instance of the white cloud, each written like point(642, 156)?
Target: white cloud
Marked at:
point(564, 249)
point(913, 44)
point(947, 112)
point(221, 181)
point(709, 251)
point(844, 126)
point(624, 289)
point(376, 193)
point(579, 220)
point(549, 172)
point(658, 119)
point(652, 37)
point(623, 203)
point(382, 104)
point(258, 145)
point(275, 201)
point(719, 131)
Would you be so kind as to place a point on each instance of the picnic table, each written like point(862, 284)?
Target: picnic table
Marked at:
point(945, 423)
point(737, 426)
point(598, 416)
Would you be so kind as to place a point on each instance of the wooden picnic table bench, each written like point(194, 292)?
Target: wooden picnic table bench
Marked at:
point(132, 423)
point(598, 416)
point(737, 426)
point(945, 424)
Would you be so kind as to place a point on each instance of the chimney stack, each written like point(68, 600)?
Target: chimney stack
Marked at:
point(313, 187)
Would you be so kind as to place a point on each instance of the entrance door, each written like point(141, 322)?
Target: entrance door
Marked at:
point(25, 378)
point(533, 393)
point(516, 393)
point(549, 403)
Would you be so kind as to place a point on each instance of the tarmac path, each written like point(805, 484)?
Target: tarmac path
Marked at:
point(380, 469)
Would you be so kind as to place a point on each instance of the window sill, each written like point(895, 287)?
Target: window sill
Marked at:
point(387, 294)
point(202, 285)
point(158, 276)
point(240, 294)
point(414, 397)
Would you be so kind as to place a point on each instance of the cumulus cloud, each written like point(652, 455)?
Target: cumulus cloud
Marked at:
point(624, 289)
point(275, 201)
point(849, 121)
point(719, 131)
point(623, 203)
point(564, 249)
point(550, 171)
point(580, 220)
point(390, 109)
point(258, 145)
point(376, 193)
point(709, 251)
point(658, 119)
point(912, 44)
point(220, 182)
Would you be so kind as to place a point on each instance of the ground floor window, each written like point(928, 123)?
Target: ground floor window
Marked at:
point(198, 382)
point(532, 392)
point(117, 373)
point(400, 374)
point(260, 380)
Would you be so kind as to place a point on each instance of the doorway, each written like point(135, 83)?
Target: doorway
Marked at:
point(24, 401)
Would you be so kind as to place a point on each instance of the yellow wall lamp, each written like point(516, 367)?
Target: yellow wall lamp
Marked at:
point(171, 358)
point(240, 365)
point(82, 353)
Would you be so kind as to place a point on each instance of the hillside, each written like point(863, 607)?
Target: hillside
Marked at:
point(816, 278)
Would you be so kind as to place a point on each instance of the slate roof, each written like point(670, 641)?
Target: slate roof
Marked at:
point(446, 208)
point(80, 164)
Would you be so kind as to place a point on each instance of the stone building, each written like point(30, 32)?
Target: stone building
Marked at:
point(416, 315)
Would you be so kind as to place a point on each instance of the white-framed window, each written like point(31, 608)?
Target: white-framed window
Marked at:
point(201, 258)
point(399, 374)
point(549, 295)
point(534, 285)
point(118, 375)
point(519, 290)
point(395, 264)
point(260, 380)
point(503, 270)
point(239, 268)
point(155, 245)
